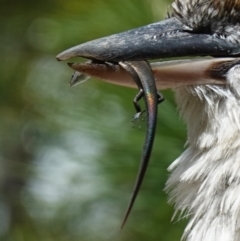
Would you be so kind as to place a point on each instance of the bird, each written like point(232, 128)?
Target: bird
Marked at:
point(204, 183)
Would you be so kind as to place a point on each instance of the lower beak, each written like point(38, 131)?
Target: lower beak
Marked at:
point(169, 74)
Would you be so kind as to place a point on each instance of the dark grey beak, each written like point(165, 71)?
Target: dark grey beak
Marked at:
point(168, 38)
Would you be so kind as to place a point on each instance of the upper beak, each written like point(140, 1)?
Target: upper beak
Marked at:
point(168, 38)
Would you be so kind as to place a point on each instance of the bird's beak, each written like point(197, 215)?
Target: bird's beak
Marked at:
point(168, 38)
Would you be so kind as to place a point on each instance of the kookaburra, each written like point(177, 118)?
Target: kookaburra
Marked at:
point(205, 180)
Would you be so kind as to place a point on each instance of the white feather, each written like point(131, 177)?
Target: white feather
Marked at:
point(205, 179)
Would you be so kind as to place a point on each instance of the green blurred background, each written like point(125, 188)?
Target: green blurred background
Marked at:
point(69, 156)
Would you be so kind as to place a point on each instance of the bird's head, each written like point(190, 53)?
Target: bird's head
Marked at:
point(194, 28)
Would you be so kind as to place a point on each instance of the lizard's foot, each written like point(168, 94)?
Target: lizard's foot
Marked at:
point(137, 118)
point(160, 97)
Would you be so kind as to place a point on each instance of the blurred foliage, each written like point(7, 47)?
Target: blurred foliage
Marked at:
point(69, 156)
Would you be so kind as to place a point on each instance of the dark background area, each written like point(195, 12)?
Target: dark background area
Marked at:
point(69, 156)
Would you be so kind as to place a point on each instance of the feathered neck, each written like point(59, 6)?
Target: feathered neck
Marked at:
point(205, 179)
